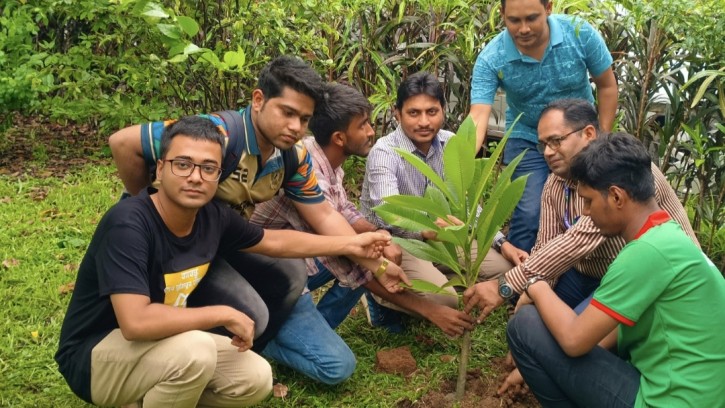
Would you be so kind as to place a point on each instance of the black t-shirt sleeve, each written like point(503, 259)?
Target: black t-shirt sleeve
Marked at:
point(121, 260)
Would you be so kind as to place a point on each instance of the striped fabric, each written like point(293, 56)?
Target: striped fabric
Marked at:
point(558, 249)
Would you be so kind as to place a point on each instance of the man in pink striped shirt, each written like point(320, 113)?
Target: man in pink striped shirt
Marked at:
point(570, 252)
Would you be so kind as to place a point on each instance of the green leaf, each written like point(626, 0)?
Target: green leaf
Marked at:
point(428, 251)
point(420, 285)
point(427, 171)
point(458, 161)
point(421, 204)
point(154, 10)
point(190, 27)
point(235, 58)
point(169, 30)
point(411, 220)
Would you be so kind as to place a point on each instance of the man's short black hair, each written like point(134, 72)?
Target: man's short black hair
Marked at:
point(420, 83)
point(340, 104)
point(615, 159)
point(292, 72)
point(578, 113)
point(543, 3)
point(195, 127)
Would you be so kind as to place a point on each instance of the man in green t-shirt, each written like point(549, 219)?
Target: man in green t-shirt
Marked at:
point(661, 302)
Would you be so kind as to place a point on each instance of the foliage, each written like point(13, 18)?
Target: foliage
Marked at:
point(669, 59)
point(461, 194)
point(47, 225)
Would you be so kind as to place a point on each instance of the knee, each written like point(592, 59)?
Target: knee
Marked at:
point(337, 370)
point(525, 322)
point(260, 383)
point(199, 364)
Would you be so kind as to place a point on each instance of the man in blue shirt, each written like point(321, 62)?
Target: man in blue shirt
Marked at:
point(538, 58)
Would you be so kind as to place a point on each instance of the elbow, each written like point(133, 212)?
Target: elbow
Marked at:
point(574, 348)
point(134, 332)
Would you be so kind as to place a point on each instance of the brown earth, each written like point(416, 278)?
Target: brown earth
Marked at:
point(35, 146)
point(481, 390)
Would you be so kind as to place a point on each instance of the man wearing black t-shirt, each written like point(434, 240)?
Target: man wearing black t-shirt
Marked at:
point(128, 335)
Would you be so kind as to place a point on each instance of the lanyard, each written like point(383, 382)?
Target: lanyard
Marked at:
point(567, 216)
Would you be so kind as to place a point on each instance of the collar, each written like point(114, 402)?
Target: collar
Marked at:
point(513, 54)
point(405, 143)
point(654, 219)
point(319, 156)
point(250, 136)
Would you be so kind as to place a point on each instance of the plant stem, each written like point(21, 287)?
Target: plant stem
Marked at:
point(463, 365)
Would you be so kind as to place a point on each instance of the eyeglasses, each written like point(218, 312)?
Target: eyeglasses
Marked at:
point(555, 141)
point(184, 168)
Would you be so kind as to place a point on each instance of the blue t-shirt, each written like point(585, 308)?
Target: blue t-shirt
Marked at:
point(575, 47)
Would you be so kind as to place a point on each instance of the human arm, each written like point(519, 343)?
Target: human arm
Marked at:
point(576, 334)
point(392, 252)
point(480, 114)
point(513, 254)
point(607, 97)
point(296, 244)
point(141, 320)
point(451, 321)
point(128, 156)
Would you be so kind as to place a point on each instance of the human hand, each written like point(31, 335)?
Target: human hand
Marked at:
point(513, 384)
point(432, 235)
point(513, 254)
point(453, 322)
point(242, 327)
point(524, 299)
point(483, 295)
point(392, 277)
point(394, 253)
point(369, 244)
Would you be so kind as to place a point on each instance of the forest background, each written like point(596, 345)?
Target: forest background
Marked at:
point(74, 71)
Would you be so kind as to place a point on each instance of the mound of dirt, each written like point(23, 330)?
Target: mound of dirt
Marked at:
point(481, 390)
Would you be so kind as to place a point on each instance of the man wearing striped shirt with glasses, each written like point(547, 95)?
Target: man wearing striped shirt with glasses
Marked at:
point(570, 252)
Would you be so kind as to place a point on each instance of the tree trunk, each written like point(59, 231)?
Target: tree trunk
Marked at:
point(463, 365)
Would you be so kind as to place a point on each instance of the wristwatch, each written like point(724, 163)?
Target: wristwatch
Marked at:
point(504, 289)
point(530, 282)
point(497, 243)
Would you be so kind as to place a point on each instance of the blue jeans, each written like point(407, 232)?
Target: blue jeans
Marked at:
point(596, 379)
point(306, 343)
point(337, 303)
point(574, 288)
point(524, 223)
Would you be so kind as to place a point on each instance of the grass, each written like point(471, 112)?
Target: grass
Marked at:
point(47, 224)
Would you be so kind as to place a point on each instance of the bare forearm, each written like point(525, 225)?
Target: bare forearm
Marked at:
point(405, 300)
point(127, 155)
point(480, 114)
point(296, 244)
point(557, 316)
point(157, 321)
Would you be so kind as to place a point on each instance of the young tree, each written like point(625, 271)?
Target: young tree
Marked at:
point(467, 181)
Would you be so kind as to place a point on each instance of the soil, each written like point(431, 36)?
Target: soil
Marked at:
point(36, 146)
point(481, 390)
point(396, 361)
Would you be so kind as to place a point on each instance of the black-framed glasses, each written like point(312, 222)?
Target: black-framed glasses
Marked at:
point(184, 168)
point(554, 142)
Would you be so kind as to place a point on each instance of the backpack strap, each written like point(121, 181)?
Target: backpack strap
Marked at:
point(235, 141)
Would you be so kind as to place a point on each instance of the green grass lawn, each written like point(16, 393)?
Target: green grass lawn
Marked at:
point(46, 226)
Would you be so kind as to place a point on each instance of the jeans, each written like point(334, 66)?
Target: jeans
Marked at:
point(574, 287)
point(338, 301)
point(596, 379)
point(306, 343)
point(524, 223)
point(264, 288)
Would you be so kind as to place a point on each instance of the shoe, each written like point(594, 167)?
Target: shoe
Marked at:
point(381, 316)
